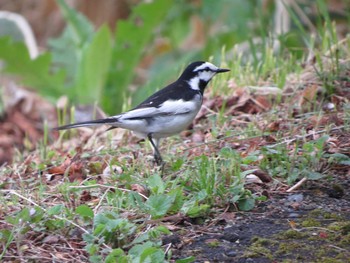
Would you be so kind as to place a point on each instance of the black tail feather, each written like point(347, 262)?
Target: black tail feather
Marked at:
point(87, 123)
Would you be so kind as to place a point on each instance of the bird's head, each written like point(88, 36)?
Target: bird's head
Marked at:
point(198, 74)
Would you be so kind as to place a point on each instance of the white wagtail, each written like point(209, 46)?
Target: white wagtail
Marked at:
point(168, 111)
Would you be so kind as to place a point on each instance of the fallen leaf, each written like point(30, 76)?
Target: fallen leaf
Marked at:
point(51, 239)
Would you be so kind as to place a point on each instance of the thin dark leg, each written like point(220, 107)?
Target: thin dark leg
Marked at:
point(157, 156)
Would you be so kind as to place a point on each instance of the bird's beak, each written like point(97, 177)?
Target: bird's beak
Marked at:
point(221, 70)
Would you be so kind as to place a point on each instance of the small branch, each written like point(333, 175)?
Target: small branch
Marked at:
point(299, 137)
point(339, 248)
point(297, 185)
point(106, 186)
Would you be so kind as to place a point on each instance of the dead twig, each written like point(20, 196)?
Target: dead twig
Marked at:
point(297, 185)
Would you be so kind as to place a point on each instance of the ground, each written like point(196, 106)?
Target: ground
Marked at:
point(312, 225)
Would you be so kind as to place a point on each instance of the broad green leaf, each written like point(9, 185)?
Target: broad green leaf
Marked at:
point(158, 205)
point(246, 204)
point(198, 210)
point(138, 249)
point(5, 235)
point(34, 73)
point(152, 255)
point(84, 211)
point(117, 255)
point(314, 175)
point(21, 216)
point(63, 57)
point(156, 184)
point(93, 67)
point(177, 193)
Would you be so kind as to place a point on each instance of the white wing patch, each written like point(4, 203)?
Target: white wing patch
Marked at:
point(169, 107)
point(139, 113)
point(174, 107)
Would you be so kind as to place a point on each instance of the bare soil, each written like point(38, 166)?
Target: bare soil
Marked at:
point(312, 225)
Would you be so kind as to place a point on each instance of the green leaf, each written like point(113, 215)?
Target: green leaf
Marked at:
point(177, 194)
point(246, 204)
point(34, 73)
point(156, 184)
point(345, 162)
point(338, 158)
point(137, 250)
point(81, 27)
point(117, 255)
point(158, 205)
point(198, 210)
point(93, 67)
point(152, 254)
point(5, 235)
point(228, 152)
point(85, 211)
point(131, 37)
point(55, 210)
point(313, 175)
point(63, 57)
point(186, 260)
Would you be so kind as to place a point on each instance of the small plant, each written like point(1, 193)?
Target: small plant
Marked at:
point(118, 233)
point(304, 162)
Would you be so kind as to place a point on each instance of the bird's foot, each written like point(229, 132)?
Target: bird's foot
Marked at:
point(158, 160)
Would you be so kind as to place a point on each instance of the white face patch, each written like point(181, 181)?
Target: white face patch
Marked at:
point(194, 83)
point(205, 75)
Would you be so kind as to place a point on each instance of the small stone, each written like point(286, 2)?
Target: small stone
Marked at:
point(294, 215)
point(231, 253)
point(296, 198)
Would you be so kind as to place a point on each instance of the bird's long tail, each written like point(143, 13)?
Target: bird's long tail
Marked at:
point(87, 123)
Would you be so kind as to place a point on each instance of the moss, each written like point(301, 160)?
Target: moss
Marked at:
point(310, 222)
point(345, 229)
point(258, 248)
point(257, 251)
point(335, 216)
point(213, 243)
point(329, 260)
point(289, 248)
point(259, 241)
point(335, 226)
point(319, 213)
point(291, 234)
point(337, 191)
point(316, 213)
point(345, 240)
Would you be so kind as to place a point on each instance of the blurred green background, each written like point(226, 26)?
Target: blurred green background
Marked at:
point(105, 52)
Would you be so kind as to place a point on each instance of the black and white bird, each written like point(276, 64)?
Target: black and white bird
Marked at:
point(168, 111)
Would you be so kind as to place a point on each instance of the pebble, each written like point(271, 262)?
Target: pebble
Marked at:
point(296, 198)
point(231, 253)
point(294, 215)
